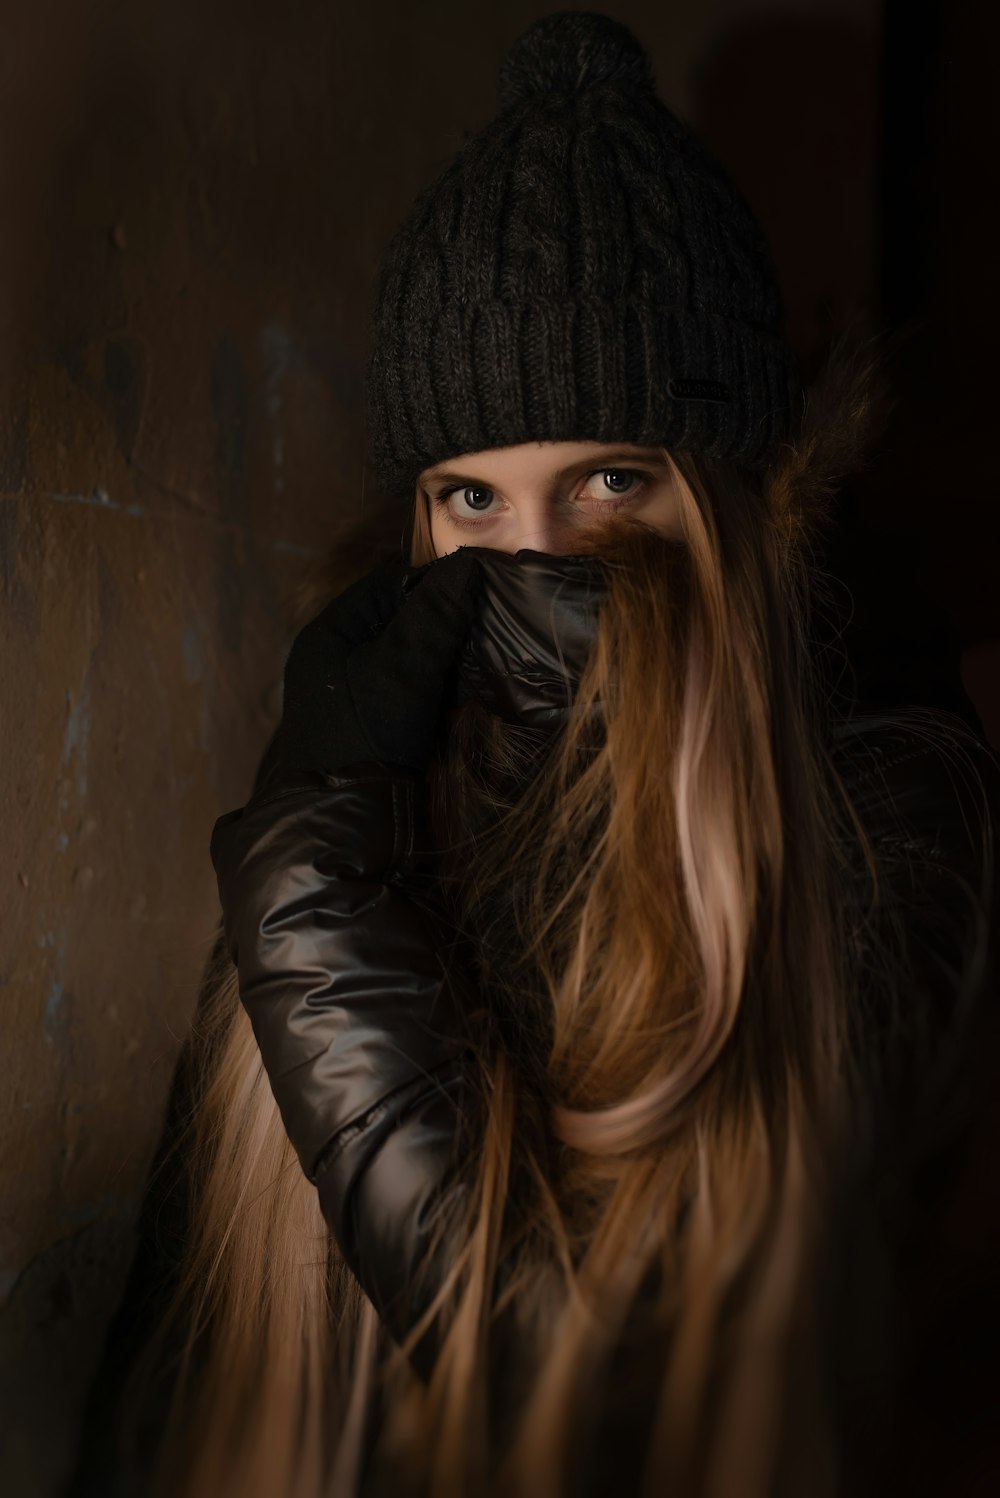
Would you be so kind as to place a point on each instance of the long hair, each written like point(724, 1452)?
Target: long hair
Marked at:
point(664, 979)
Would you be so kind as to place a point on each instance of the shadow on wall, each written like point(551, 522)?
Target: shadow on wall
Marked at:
point(790, 103)
point(808, 115)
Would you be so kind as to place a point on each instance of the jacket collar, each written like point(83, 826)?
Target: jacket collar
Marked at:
point(526, 653)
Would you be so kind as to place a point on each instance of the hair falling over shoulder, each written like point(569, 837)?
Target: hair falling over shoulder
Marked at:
point(661, 1001)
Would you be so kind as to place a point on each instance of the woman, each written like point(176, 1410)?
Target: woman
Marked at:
point(581, 967)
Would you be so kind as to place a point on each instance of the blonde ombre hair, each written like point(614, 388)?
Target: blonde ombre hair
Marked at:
point(660, 999)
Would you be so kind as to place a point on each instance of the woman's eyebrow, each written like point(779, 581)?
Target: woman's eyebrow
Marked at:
point(445, 477)
point(649, 456)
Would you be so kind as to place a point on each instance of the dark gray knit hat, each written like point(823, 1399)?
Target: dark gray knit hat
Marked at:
point(582, 270)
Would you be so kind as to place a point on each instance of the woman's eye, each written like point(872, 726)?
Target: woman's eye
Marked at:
point(613, 483)
point(476, 496)
point(466, 499)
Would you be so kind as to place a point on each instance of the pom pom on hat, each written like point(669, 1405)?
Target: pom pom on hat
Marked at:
point(569, 52)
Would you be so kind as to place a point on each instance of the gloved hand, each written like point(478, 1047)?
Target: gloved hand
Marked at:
point(366, 679)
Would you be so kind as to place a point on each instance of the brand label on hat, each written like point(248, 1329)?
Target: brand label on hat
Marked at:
point(698, 390)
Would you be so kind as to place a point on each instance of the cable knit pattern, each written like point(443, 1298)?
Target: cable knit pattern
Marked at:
point(582, 270)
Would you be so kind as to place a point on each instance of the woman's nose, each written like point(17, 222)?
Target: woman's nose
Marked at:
point(544, 532)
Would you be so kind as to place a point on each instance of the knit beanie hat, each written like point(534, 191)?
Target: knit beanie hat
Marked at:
point(582, 270)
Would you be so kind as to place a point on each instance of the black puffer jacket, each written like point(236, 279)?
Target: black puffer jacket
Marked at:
point(333, 921)
point(339, 944)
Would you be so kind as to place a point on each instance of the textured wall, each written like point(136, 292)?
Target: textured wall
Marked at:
point(190, 221)
point(192, 213)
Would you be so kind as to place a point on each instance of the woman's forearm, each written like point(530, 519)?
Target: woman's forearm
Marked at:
point(342, 974)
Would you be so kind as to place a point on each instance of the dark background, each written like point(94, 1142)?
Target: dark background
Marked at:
point(193, 200)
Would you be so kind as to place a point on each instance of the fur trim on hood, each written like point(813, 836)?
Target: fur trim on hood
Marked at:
point(842, 413)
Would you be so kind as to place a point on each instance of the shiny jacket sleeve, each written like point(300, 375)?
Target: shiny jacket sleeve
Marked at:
point(342, 970)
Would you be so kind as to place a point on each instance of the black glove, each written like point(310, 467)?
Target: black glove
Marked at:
point(366, 679)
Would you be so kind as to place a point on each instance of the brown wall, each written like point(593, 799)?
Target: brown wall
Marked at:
point(192, 215)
